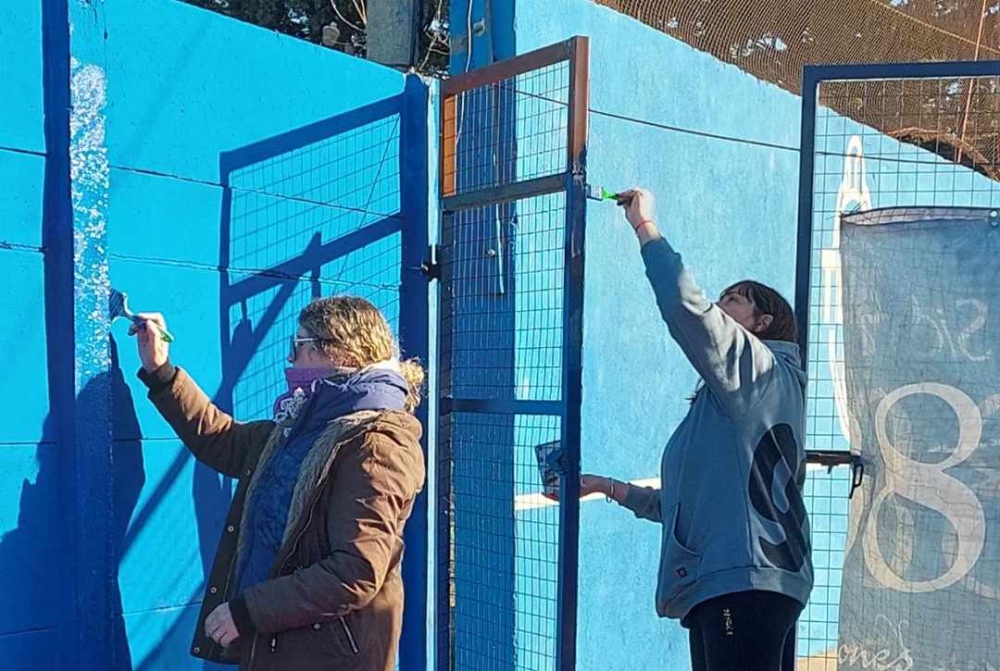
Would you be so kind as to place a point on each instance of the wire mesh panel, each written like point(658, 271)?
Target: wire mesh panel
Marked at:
point(491, 539)
point(914, 152)
point(773, 39)
point(335, 207)
point(825, 495)
point(511, 264)
point(537, 102)
point(314, 212)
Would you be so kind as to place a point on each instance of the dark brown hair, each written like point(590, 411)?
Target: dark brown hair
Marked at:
point(767, 301)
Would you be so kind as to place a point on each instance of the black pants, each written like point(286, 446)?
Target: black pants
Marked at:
point(745, 631)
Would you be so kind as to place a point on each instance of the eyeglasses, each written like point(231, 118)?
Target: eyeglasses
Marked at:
point(296, 341)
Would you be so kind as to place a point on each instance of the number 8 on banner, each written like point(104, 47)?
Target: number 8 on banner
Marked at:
point(929, 486)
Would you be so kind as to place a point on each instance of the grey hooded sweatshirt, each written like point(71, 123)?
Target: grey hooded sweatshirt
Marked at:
point(732, 473)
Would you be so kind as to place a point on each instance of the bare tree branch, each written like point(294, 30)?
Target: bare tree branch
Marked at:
point(333, 3)
point(359, 7)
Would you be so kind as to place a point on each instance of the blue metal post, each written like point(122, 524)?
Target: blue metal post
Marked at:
point(572, 350)
point(804, 245)
point(803, 257)
point(75, 233)
point(414, 337)
point(877, 71)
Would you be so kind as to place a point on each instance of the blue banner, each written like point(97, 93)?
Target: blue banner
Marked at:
point(921, 333)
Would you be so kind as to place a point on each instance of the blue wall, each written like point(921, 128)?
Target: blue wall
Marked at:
point(714, 195)
point(28, 482)
point(725, 171)
point(248, 172)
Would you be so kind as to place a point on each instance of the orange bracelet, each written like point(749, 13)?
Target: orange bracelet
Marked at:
point(641, 224)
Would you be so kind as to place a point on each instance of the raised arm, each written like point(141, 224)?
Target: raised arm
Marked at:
point(728, 358)
point(215, 438)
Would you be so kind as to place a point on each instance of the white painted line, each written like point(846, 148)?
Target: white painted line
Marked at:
point(536, 500)
point(817, 467)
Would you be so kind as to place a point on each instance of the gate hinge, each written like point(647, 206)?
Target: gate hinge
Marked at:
point(833, 458)
point(430, 266)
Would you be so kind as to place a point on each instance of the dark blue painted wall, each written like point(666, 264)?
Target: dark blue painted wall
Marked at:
point(238, 174)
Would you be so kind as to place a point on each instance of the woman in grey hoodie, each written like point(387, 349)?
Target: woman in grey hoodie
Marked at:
point(735, 563)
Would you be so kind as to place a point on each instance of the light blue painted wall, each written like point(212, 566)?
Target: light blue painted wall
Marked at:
point(730, 207)
point(726, 176)
point(308, 142)
point(21, 124)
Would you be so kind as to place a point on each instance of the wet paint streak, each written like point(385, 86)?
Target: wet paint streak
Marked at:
point(89, 175)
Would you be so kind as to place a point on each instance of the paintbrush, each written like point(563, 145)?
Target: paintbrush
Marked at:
point(600, 193)
point(118, 307)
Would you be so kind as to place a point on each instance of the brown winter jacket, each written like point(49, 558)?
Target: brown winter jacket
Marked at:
point(335, 597)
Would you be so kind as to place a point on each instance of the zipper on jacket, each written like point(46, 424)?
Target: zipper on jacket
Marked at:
point(274, 643)
point(350, 637)
point(253, 651)
point(293, 548)
point(295, 543)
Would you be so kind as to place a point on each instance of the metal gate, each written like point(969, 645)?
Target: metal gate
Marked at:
point(915, 136)
point(511, 262)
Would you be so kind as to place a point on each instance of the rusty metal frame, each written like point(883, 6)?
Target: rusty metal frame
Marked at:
point(570, 179)
point(519, 65)
point(569, 50)
point(573, 268)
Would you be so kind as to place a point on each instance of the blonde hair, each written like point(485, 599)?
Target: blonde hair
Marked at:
point(354, 334)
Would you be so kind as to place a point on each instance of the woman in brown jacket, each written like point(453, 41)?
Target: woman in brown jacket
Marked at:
point(307, 573)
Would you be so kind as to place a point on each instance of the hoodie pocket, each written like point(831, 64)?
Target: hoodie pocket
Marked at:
point(679, 566)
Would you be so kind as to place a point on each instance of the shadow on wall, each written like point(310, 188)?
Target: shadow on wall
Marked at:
point(314, 211)
point(129, 479)
point(36, 545)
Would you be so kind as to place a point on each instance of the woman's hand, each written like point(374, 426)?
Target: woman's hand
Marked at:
point(589, 484)
point(219, 626)
point(640, 213)
point(594, 484)
point(153, 349)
